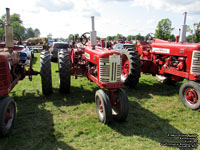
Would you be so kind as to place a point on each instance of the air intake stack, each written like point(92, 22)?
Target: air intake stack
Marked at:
point(93, 33)
point(183, 29)
point(8, 31)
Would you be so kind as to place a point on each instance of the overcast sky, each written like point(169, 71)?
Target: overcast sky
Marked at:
point(62, 17)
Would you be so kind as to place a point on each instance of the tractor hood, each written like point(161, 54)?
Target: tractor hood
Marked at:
point(173, 48)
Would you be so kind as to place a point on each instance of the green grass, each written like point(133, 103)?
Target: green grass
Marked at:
point(71, 122)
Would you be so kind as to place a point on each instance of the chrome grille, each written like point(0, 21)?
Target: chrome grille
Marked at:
point(109, 71)
point(195, 67)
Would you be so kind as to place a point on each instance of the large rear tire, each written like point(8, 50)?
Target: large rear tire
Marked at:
point(103, 106)
point(7, 115)
point(131, 67)
point(190, 94)
point(64, 67)
point(120, 105)
point(45, 72)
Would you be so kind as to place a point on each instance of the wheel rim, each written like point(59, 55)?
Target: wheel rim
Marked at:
point(116, 103)
point(125, 67)
point(191, 96)
point(9, 116)
point(100, 107)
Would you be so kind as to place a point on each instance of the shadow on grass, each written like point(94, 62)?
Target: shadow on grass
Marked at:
point(34, 60)
point(33, 127)
point(142, 122)
point(146, 88)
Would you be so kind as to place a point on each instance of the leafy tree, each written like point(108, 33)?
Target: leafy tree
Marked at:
point(130, 37)
point(37, 32)
point(15, 18)
point(189, 38)
point(1, 33)
point(172, 38)
point(98, 38)
point(194, 34)
point(139, 37)
point(109, 38)
point(197, 32)
point(70, 37)
point(118, 36)
point(49, 36)
point(18, 31)
point(164, 29)
point(30, 33)
point(76, 35)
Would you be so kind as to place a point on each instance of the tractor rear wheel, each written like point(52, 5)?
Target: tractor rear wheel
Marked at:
point(64, 67)
point(130, 67)
point(103, 106)
point(120, 105)
point(190, 94)
point(45, 72)
point(7, 115)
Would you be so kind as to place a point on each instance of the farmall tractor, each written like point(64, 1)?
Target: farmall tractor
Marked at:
point(171, 61)
point(99, 65)
point(11, 71)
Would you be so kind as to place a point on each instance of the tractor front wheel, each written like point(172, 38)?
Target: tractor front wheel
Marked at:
point(103, 106)
point(120, 105)
point(130, 67)
point(190, 94)
point(64, 67)
point(7, 115)
point(45, 72)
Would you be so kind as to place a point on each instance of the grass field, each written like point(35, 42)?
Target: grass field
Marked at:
point(71, 122)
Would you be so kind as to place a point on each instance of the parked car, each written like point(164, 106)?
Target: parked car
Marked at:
point(120, 46)
point(55, 47)
point(24, 52)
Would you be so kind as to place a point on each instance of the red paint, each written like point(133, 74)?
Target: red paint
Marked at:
point(191, 96)
point(164, 58)
point(100, 106)
point(8, 116)
point(125, 66)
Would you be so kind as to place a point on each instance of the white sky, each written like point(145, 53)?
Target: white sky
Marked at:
point(127, 17)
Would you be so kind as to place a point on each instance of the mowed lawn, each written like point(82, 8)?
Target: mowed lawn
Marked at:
point(61, 122)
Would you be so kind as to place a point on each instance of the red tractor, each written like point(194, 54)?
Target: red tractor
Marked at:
point(99, 65)
point(171, 61)
point(11, 71)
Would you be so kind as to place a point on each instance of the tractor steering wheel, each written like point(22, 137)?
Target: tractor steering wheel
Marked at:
point(150, 36)
point(84, 38)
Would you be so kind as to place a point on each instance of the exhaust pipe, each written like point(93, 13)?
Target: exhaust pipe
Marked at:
point(93, 37)
point(8, 31)
point(183, 29)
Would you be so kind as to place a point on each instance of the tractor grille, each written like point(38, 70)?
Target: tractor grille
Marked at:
point(3, 75)
point(195, 68)
point(110, 71)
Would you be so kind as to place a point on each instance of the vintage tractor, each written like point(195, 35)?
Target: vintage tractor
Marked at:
point(171, 61)
point(100, 65)
point(11, 71)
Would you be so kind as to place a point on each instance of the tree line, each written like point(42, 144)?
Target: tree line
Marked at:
point(19, 31)
point(163, 31)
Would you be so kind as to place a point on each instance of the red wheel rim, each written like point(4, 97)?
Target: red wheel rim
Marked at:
point(8, 116)
point(116, 102)
point(100, 107)
point(125, 66)
point(191, 96)
point(117, 105)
